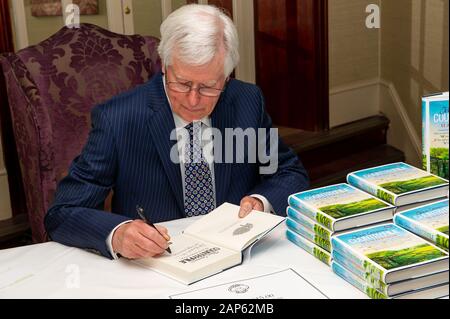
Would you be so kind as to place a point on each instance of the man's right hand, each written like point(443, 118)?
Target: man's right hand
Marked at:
point(136, 239)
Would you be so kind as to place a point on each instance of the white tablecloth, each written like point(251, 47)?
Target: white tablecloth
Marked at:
point(52, 270)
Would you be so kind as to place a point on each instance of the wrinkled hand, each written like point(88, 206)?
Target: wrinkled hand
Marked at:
point(248, 204)
point(138, 240)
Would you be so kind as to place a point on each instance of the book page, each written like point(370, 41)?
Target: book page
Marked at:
point(191, 259)
point(278, 285)
point(224, 227)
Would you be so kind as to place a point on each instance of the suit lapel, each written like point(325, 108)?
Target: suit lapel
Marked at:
point(222, 118)
point(161, 125)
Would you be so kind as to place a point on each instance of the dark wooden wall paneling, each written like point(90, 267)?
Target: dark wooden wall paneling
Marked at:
point(292, 61)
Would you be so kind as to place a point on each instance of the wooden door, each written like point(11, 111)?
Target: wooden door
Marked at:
point(291, 44)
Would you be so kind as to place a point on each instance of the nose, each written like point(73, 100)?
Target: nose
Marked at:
point(193, 98)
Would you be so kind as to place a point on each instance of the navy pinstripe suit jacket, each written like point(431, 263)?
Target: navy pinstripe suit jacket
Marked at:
point(128, 151)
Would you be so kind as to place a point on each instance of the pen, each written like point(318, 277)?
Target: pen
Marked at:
point(140, 212)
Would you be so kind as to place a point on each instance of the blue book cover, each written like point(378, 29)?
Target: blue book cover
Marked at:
point(341, 206)
point(435, 134)
point(394, 182)
point(318, 252)
point(428, 221)
point(308, 234)
point(390, 253)
point(315, 227)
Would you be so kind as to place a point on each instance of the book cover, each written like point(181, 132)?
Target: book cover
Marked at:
point(359, 271)
point(392, 289)
point(318, 229)
point(390, 253)
point(428, 292)
point(318, 252)
point(211, 244)
point(435, 131)
point(392, 181)
point(308, 234)
point(357, 282)
point(341, 206)
point(428, 221)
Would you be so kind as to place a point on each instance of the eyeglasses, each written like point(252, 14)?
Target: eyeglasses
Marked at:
point(186, 88)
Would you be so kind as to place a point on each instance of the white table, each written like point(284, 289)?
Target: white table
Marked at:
point(52, 270)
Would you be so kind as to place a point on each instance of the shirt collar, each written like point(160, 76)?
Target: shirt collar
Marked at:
point(179, 122)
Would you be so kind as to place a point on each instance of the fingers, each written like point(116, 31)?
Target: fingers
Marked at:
point(138, 240)
point(163, 230)
point(248, 204)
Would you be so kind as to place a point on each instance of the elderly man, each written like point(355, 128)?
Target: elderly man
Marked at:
point(131, 145)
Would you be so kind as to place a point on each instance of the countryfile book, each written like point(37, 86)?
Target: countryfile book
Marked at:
point(437, 291)
point(308, 234)
point(435, 134)
point(308, 223)
point(390, 253)
point(318, 252)
point(392, 289)
point(341, 206)
point(428, 221)
point(399, 183)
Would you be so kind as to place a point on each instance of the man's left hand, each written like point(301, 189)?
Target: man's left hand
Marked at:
point(248, 204)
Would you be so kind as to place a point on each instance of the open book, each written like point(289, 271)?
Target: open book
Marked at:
point(212, 244)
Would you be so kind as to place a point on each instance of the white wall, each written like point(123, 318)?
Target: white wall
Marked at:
point(388, 70)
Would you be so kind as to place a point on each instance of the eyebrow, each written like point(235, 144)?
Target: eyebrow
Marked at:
point(209, 84)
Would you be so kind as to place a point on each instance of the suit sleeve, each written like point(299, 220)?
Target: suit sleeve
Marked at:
point(287, 177)
point(76, 217)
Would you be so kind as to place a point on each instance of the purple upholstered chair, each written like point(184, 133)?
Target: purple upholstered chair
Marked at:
point(52, 87)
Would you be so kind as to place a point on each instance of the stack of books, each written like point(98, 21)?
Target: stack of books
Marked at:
point(374, 197)
point(314, 216)
point(387, 261)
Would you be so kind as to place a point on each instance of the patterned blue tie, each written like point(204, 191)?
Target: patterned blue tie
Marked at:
point(198, 186)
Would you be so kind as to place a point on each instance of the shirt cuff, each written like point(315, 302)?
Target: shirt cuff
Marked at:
point(110, 237)
point(267, 206)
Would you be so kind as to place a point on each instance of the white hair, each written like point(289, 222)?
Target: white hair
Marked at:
point(197, 33)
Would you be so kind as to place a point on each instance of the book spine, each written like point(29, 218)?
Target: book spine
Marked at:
point(311, 236)
point(365, 263)
point(425, 135)
point(311, 213)
point(309, 224)
point(437, 238)
point(358, 271)
point(357, 282)
point(309, 247)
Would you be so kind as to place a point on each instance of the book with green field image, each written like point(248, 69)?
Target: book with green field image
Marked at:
point(435, 134)
point(341, 206)
point(399, 183)
point(392, 289)
point(308, 234)
point(428, 292)
point(390, 253)
point(314, 250)
point(428, 221)
point(307, 222)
